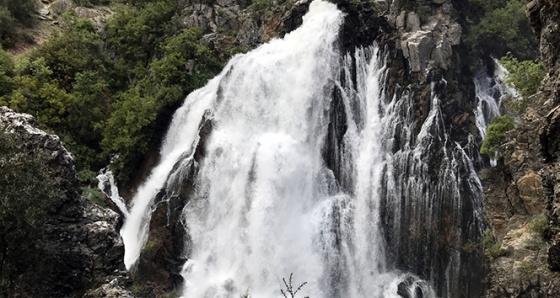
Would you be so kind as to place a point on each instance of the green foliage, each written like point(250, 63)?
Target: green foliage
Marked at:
point(492, 247)
point(94, 195)
point(91, 3)
point(35, 94)
point(496, 134)
point(470, 247)
point(127, 129)
point(27, 193)
point(525, 76)
point(503, 28)
point(6, 73)
point(186, 65)
point(77, 48)
point(110, 92)
point(134, 33)
point(527, 269)
point(14, 13)
point(539, 223)
point(62, 83)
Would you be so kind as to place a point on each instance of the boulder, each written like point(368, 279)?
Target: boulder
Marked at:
point(82, 246)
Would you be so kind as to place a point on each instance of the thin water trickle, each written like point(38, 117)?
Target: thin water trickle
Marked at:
point(109, 187)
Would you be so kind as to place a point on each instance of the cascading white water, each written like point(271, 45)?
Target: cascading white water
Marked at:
point(491, 92)
point(108, 186)
point(265, 203)
point(179, 144)
point(252, 219)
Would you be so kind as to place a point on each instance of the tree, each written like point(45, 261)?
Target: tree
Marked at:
point(290, 288)
point(14, 13)
point(134, 33)
point(502, 29)
point(27, 193)
point(496, 134)
point(126, 132)
point(6, 73)
point(525, 76)
point(77, 48)
point(35, 93)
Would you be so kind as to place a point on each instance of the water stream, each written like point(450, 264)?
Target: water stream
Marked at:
point(267, 204)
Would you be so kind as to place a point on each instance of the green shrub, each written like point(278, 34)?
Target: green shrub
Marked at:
point(503, 27)
point(539, 223)
point(126, 132)
point(492, 247)
point(134, 33)
point(76, 48)
point(525, 76)
point(28, 192)
point(6, 73)
point(91, 3)
point(34, 93)
point(496, 134)
point(94, 195)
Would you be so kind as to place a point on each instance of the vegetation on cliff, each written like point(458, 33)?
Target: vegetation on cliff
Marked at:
point(524, 76)
point(13, 15)
point(498, 27)
point(112, 90)
point(496, 134)
point(27, 193)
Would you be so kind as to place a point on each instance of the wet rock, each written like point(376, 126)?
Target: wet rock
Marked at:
point(118, 287)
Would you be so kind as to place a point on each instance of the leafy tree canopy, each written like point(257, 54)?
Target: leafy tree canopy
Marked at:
point(27, 193)
point(503, 27)
point(525, 76)
point(495, 135)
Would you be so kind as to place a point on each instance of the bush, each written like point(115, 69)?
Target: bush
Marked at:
point(492, 247)
point(134, 33)
point(14, 13)
point(27, 193)
point(496, 134)
point(77, 48)
point(539, 223)
point(503, 28)
point(525, 76)
point(127, 130)
point(6, 73)
point(34, 93)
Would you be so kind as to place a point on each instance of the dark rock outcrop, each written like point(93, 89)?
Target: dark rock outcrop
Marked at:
point(82, 247)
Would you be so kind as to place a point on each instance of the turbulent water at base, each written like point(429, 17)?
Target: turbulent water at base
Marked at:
point(279, 191)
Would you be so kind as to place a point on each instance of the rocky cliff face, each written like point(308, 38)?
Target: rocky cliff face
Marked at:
point(521, 199)
point(82, 247)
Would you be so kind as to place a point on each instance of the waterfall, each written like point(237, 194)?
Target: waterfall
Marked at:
point(490, 93)
point(311, 168)
point(109, 187)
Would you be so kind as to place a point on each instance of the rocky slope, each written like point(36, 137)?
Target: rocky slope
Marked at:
point(521, 200)
point(82, 248)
